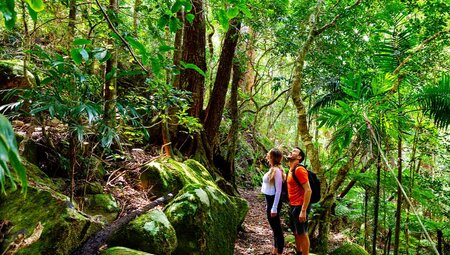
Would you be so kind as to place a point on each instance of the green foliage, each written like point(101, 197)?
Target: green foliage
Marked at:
point(7, 8)
point(9, 14)
point(435, 101)
point(10, 154)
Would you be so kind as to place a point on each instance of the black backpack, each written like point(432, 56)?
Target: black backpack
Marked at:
point(314, 182)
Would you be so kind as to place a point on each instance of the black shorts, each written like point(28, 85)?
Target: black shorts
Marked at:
point(298, 227)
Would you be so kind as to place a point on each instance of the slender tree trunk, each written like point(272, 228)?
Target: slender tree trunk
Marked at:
point(177, 53)
point(137, 4)
point(387, 247)
point(110, 88)
point(216, 103)
point(376, 207)
point(73, 163)
point(233, 134)
point(398, 215)
point(72, 20)
point(439, 239)
point(366, 226)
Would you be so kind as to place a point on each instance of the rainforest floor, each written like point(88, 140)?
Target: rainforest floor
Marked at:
point(256, 236)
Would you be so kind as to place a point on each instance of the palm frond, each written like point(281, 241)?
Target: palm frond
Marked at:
point(435, 101)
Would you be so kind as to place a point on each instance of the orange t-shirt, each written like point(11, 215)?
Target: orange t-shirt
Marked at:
point(296, 192)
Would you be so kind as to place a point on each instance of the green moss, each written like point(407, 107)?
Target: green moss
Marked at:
point(123, 251)
point(64, 228)
point(150, 232)
point(350, 249)
point(205, 220)
point(167, 175)
point(37, 176)
point(102, 204)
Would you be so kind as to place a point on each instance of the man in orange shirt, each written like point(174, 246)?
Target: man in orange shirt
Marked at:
point(299, 193)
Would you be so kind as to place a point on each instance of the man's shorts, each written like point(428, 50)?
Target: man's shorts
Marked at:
point(296, 226)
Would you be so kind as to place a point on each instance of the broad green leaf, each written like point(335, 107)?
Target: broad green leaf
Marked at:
point(33, 13)
point(194, 67)
point(9, 14)
point(177, 6)
point(84, 54)
point(232, 12)
point(136, 44)
point(163, 21)
point(81, 41)
point(246, 11)
point(100, 54)
point(190, 17)
point(76, 56)
point(165, 48)
point(156, 65)
point(223, 20)
point(173, 24)
point(36, 5)
point(187, 6)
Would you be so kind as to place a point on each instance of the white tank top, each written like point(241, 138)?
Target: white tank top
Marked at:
point(271, 189)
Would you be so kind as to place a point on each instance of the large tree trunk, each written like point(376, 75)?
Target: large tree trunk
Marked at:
point(216, 103)
point(194, 43)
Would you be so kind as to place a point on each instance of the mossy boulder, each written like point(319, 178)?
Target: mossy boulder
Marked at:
point(167, 175)
point(12, 74)
point(350, 249)
point(102, 204)
point(123, 251)
point(205, 219)
point(150, 232)
point(64, 228)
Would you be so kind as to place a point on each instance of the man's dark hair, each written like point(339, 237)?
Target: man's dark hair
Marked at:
point(302, 154)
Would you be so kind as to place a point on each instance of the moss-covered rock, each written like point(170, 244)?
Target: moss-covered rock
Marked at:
point(102, 204)
point(167, 175)
point(205, 219)
point(12, 74)
point(350, 249)
point(123, 251)
point(64, 228)
point(150, 232)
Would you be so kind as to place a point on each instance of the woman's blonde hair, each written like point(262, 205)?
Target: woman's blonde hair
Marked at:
point(275, 157)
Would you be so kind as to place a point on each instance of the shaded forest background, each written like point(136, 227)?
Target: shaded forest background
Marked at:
point(362, 86)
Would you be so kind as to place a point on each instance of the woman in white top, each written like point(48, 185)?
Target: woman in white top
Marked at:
point(271, 187)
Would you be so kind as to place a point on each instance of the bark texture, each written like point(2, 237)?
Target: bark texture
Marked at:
point(194, 43)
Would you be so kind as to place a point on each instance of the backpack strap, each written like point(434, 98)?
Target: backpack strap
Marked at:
point(295, 177)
